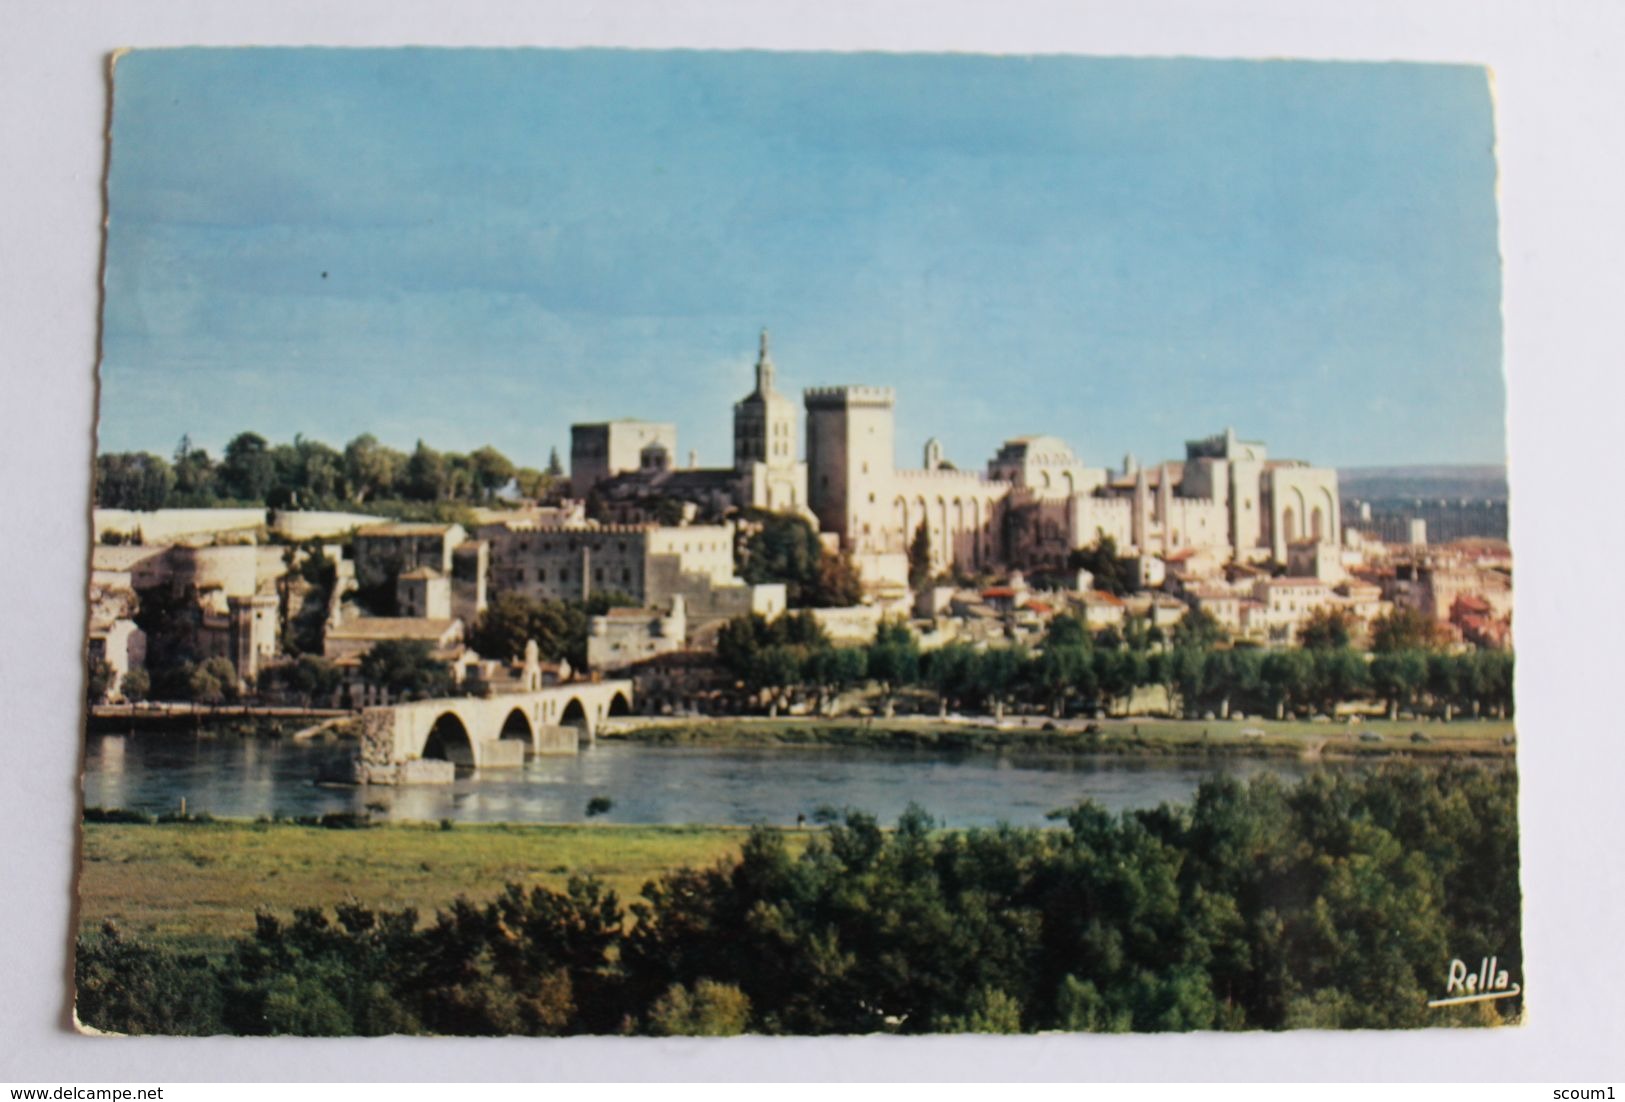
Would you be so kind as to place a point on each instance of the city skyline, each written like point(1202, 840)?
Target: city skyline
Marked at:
point(380, 241)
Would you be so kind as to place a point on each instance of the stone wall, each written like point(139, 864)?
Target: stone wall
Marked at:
point(552, 740)
point(377, 746)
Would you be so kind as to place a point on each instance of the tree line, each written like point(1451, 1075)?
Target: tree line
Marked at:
point(309, 474)
point(1337, 903)
point(791, 660)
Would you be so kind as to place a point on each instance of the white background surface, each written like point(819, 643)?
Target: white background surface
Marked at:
point(1560, 100)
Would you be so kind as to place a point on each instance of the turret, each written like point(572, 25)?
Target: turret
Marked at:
point(764, 368)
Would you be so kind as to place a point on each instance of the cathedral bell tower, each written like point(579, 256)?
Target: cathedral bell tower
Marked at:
point(764, 421)
point(765, 443)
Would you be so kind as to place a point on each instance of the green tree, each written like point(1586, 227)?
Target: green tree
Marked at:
point(951, 672)
point(1081, 1009)
point(1112, 573)
point(194, 475)
point(213, 682)
point(1339, 675)
point(1493, 681)
point(407, 669)
point(370, 469)
point(893, 659)
point(312, 677)
point(776, 670)
point(1117, 672)
point(1231, 676)
point(425, 477)
point(1327, 628)
point(461, 478)
point(170, 620)
point(1056, 674)
point(133, 480)
point(1446, 677)
point(1404, 629)
point(919, 557)
point(1066, 631)
point(1397, 677)
point(990, 1011)
point(1001, 672)
point(285, 489)
point(532, 483)
point(321, 478)
point(837, 584)
point(834, 670)
point(98, 681)
point(800, 629)
point(559, 628)
point(1198, 628)
point(248, 471)
point(740, 639)
point(1286, 678)
point(135, 685)
point(784, 548)
point(492, 470)
point(1184, 675)
point(710, 1010)
point(130, 986)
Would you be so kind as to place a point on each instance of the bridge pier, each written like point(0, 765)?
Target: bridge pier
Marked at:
point(502, 753)
point(553, 739)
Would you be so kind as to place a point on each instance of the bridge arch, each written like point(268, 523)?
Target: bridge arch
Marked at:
point(575, 715)
point(620, 705)
point(449, 740)
point(516, 726)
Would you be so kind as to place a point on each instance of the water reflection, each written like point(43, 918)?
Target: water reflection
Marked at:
point(248, 778)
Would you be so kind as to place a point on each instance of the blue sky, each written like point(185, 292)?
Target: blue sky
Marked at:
point(484, 246)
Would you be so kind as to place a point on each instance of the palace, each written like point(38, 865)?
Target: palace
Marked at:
point(1033, 504)
point(1036, 502)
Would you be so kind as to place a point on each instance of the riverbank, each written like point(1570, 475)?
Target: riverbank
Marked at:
point(245, 722)
point(1372, 740)
point(195, 886)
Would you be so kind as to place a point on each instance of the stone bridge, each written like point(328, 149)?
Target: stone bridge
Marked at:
point(426, 741)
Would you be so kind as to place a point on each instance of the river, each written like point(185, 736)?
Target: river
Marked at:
point(239, 777)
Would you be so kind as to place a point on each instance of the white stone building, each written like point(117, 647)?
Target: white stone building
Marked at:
point(1036, 502)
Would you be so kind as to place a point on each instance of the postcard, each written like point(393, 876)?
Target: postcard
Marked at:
point(704, 543)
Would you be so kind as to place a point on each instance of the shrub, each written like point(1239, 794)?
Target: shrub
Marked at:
point(115, 815)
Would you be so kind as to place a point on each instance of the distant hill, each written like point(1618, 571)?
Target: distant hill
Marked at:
point(1438, 481)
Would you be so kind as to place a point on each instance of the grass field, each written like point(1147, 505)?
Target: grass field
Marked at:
point(197, 885)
